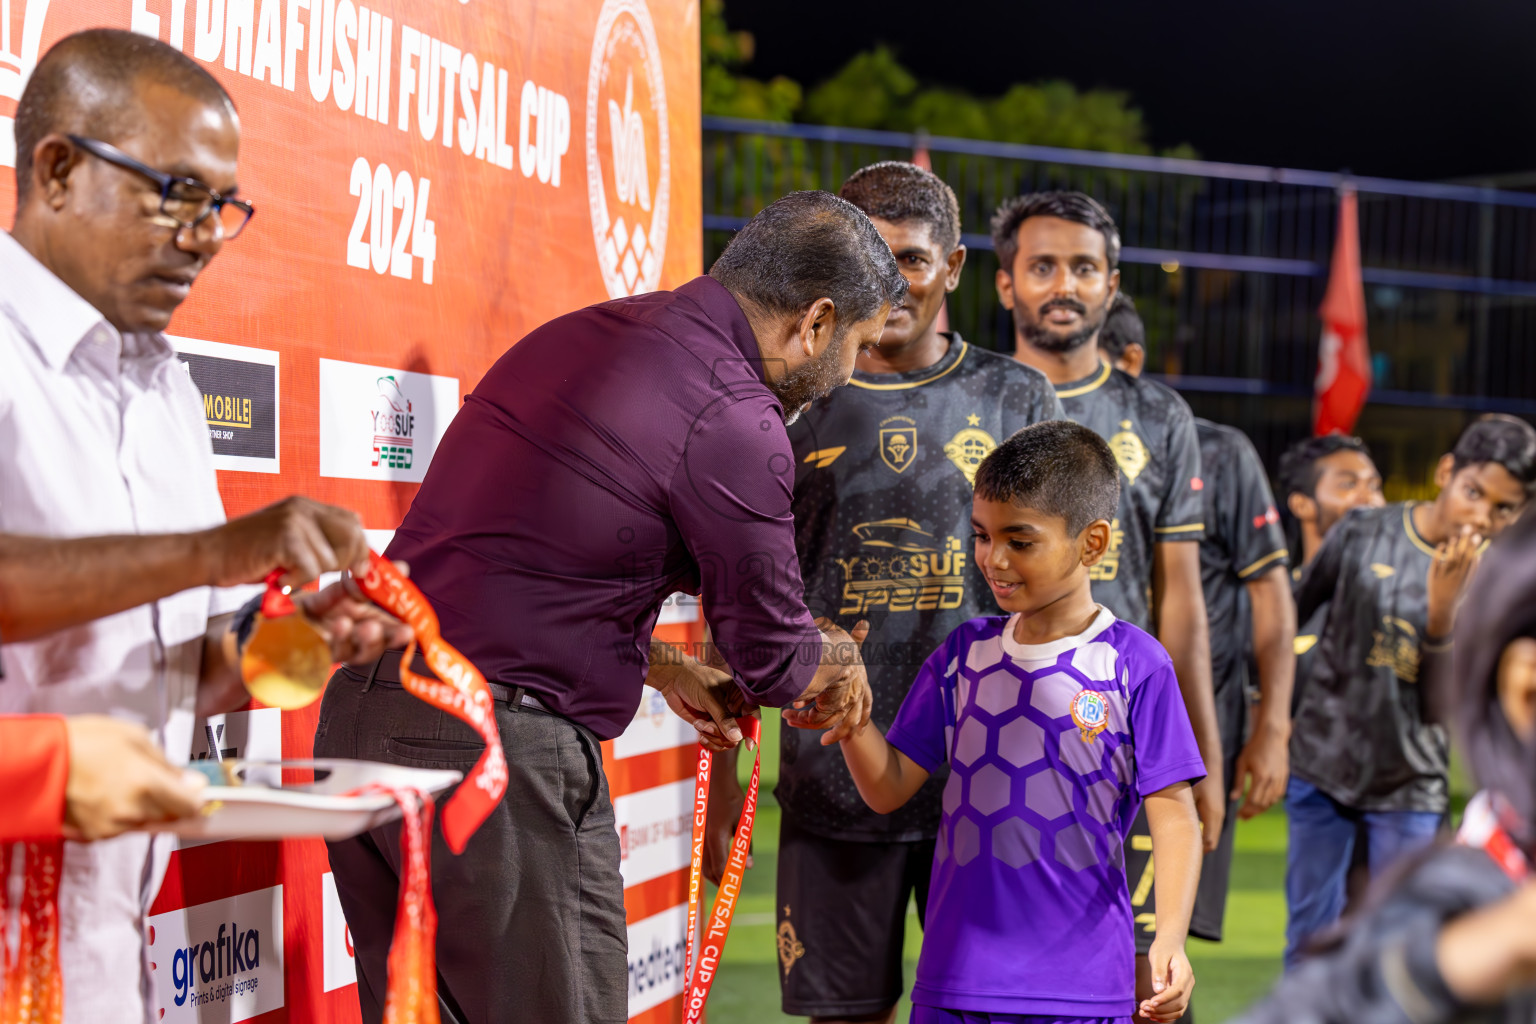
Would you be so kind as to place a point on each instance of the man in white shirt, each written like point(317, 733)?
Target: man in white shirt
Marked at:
point(126, 159)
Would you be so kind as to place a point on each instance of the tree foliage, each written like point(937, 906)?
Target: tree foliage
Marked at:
point(874, 90)
point(729, 94)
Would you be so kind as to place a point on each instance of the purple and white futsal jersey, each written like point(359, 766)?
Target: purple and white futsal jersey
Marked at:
point(1051, 748)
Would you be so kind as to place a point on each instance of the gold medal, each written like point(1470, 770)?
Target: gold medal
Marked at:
point(286, 662)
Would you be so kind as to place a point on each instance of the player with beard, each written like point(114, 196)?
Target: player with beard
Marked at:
point(1367, 741)
point(883, 475)
point(1058, 255)
point(1321, 480)
point(1243, 561)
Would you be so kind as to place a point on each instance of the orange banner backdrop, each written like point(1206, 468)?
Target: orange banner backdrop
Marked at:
point(432, 180)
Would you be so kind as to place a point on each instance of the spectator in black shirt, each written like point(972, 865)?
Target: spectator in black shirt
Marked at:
point(1366, 741)
point(1321, 479)
point(1451, 938)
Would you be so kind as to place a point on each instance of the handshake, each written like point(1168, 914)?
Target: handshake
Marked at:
point(705, 694)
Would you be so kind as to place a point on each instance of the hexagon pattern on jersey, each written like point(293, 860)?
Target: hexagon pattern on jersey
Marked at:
point(1025, 786)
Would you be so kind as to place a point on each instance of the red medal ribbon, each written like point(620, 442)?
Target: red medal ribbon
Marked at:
point(411, 997)
point(696, 985)
point(1485, 825)
point(275, 603)
point(34, 987)
point(459, 689)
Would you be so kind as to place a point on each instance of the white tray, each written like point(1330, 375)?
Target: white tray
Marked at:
point(263, 808)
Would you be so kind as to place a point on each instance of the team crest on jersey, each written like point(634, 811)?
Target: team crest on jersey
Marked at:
point(966, 450)
point(1129, 451)
point(790, 946)
point(1090, 713)
point(898, 444)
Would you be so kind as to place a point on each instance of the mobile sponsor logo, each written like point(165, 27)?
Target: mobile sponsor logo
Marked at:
point(220, 961)
point(629, 163)
point(381, 423)
point(240, 401)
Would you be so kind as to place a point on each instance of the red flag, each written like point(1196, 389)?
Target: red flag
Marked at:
point(1343, 358)
point(920, 151)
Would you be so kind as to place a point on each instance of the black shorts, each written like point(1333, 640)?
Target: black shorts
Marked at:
point(842, 911)
point(1211, 896)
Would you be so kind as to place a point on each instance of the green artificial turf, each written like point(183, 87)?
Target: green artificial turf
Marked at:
point(1229, 975)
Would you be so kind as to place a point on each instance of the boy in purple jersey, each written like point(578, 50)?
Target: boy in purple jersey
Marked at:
point(1057, 721)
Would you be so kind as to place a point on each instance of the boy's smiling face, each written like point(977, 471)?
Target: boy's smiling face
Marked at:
point(1030, 559)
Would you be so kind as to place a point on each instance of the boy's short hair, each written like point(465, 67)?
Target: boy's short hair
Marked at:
point(900, 192)
point(1122, 327)
point(1059, 467)
point(1505, 440)
point(1078, 207)
point(1298, 472)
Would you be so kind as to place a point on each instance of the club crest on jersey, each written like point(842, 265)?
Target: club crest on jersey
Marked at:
point(966, 450)
point(1090, 714)
point(1129, 451)
point(898, 444)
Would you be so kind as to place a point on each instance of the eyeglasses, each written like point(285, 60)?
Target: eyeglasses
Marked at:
point(187, 201)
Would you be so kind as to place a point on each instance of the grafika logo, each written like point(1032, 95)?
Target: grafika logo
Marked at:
point(626, 142)
point(223, 959)
point(394, 426)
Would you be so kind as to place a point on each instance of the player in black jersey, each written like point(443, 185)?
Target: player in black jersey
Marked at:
point(1058, 254)
point(1366, 741)
point(1321, 479)
point(882, 506)
point(1243, 562)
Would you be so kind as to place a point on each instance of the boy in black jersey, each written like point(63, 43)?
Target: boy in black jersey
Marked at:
point(1058, 254)
point(1367, 743)
point(1243, 562)
point(882, 506)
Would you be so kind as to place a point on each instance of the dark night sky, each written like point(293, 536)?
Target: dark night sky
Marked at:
point(1410, 89)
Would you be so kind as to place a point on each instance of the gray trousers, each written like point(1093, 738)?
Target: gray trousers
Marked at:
point(531, 916)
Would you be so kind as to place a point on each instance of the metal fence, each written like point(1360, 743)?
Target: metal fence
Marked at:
point(1228, 264)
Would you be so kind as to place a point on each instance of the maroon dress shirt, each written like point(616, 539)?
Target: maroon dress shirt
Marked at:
point(615, 456)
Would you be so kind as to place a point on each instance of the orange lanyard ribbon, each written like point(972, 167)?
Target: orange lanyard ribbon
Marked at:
point(459, 689)
point(696, 985)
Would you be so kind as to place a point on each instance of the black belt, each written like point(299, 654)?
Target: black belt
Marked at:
point(386, 672)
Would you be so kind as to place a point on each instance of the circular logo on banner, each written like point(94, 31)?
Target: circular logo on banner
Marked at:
point(629, 168)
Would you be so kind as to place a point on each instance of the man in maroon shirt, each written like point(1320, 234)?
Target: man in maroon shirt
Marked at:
point(614, 456)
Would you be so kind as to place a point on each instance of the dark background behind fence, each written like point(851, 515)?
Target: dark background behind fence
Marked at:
point(1228, 265)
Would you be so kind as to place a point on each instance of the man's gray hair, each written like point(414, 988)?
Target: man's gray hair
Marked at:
point(807, 246)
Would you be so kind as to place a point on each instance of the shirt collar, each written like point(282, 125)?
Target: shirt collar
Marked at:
point(50, 312)
point(722, 310)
